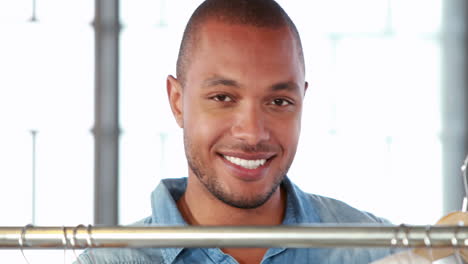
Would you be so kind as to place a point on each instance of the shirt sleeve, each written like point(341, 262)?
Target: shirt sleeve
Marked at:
point(404, 257)
point(113, 256)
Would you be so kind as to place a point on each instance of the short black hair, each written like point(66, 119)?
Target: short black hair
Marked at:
point(259, 13)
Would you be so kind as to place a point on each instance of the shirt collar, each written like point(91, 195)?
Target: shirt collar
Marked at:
point(163, 201)
point(165, 211)
point(299, 210)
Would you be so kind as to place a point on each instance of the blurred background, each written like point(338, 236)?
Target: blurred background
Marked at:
point(87, 133)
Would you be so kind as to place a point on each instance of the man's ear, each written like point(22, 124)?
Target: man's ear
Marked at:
point(175, 95)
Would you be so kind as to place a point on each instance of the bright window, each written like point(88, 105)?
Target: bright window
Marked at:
point(46, 86)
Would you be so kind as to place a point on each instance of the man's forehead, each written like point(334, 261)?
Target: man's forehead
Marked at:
point(226, 37)
point(245, 38)
point(224, 48)
point(224, 81)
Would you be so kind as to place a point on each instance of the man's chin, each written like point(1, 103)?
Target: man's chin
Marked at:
point(244, 199)
point(244, 204)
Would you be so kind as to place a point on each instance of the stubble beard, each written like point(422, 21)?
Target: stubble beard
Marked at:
point(206, 175)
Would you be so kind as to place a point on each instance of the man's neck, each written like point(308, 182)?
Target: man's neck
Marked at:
point(205, 209)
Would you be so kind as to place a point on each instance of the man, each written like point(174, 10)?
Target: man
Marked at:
point(238, 97)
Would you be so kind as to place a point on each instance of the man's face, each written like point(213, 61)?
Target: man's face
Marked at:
point(240, 110)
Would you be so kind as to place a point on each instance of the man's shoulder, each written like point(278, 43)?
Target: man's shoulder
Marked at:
point(315, 208)
point(119, 256)
point(332, 210)
point(124, 255)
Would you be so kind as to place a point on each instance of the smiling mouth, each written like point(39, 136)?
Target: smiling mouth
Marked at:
point(246, 163)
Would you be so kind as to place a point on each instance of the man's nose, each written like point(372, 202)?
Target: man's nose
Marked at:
point(250, 125)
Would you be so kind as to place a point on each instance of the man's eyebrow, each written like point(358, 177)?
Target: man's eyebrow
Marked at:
point(290, 86)
point(219, 81)
point(215, 81)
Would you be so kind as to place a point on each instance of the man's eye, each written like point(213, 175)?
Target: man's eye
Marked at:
point(281, 102)
point(222, 98)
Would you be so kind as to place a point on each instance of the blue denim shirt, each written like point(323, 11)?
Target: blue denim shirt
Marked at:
point(301, 208)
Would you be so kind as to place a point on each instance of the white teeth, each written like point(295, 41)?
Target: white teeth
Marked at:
point(248, 164)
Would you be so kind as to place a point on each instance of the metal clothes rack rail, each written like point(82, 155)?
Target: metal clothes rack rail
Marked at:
point(255, 236)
